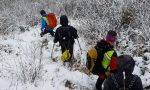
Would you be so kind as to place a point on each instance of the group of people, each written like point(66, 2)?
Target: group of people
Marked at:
point(115, 72)
point(65, 34)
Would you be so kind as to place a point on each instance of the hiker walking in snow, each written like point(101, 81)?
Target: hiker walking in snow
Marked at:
point(124, 79)
point(48, 23)
point(102, 58)
point(65, 35)
point(109, 58)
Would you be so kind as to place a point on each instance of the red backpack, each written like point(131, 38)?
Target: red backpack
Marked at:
point(52, 20)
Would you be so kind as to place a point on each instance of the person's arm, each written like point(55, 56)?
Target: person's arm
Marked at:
point(106, 84)
point(75, 35)
point(43, 24)
point(138, 84)
point(56, 38)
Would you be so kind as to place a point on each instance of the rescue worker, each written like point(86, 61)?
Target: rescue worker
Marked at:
point(106, 62)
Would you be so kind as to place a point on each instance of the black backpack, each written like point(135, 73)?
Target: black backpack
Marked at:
point(65, 34)
point(94, 63)
point(124, 87)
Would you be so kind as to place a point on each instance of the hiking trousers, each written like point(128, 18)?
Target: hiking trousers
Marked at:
point(47, 31)
point(99, 83)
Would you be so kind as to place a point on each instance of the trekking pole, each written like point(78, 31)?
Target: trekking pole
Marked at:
point(52, 52)
point(124, 82)
point(79, 45)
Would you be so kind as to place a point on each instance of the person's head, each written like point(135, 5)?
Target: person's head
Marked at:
point(64, 20)
point(42, 12)
point(126, 63)
point(111, 36)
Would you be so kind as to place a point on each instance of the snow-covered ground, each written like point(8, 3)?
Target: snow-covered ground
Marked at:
point(26, 64)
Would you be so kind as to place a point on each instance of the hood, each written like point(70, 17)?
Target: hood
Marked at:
point(42, 12)
point(104, 44)
point(111, 36)
point(126, 63)
point(64, 20)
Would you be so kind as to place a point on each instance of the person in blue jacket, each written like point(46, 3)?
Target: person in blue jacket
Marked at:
point(45, 28)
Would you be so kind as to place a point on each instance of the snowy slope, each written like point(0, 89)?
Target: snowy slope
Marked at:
point(26, 64)
point(23, 50)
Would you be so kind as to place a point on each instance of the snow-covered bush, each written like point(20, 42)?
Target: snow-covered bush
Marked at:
point(126, 17)
point(129, 18)
point(31, 64)
point(27, 66)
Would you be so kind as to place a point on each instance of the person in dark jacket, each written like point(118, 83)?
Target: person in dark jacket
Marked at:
point(124, 79)
point(65, 35)
point(108, 60)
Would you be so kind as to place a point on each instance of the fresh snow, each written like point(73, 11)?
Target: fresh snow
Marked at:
point(21, 53)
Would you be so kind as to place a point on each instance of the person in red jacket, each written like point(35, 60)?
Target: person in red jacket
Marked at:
point(108, 60)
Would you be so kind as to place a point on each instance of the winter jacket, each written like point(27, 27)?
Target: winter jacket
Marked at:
point(62, 30)
point(108, 61)
point(116, 80)
point(44, 24)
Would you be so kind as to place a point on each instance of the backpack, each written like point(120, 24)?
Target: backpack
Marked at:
point(91, 59)
point(52, 20)
point(124, 87)
point(64, 34)
point(95, 56)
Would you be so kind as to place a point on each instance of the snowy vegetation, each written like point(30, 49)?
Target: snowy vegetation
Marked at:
point(25, 57)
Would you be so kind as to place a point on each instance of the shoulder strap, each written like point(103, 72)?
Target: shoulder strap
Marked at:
point(130, 84)
point(45, 18)
point(69, 34)
point(132, 81)
point(106, 59)
point(114, 80)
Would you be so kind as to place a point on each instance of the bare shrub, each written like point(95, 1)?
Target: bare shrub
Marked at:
point(31, 66)
point(27, 66)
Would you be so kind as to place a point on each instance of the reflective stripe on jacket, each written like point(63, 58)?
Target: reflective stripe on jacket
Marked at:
point(44, 24)
point(107, 58)
point(46, 20)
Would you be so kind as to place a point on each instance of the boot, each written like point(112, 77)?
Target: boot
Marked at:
point(41, 34)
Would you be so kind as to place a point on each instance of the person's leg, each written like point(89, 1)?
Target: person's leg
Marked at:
point(99, 83)
point(52, 33)
point(41, 34)
point(63, 47)
point(50, 30)
point(44, 32)
point(71, 50)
